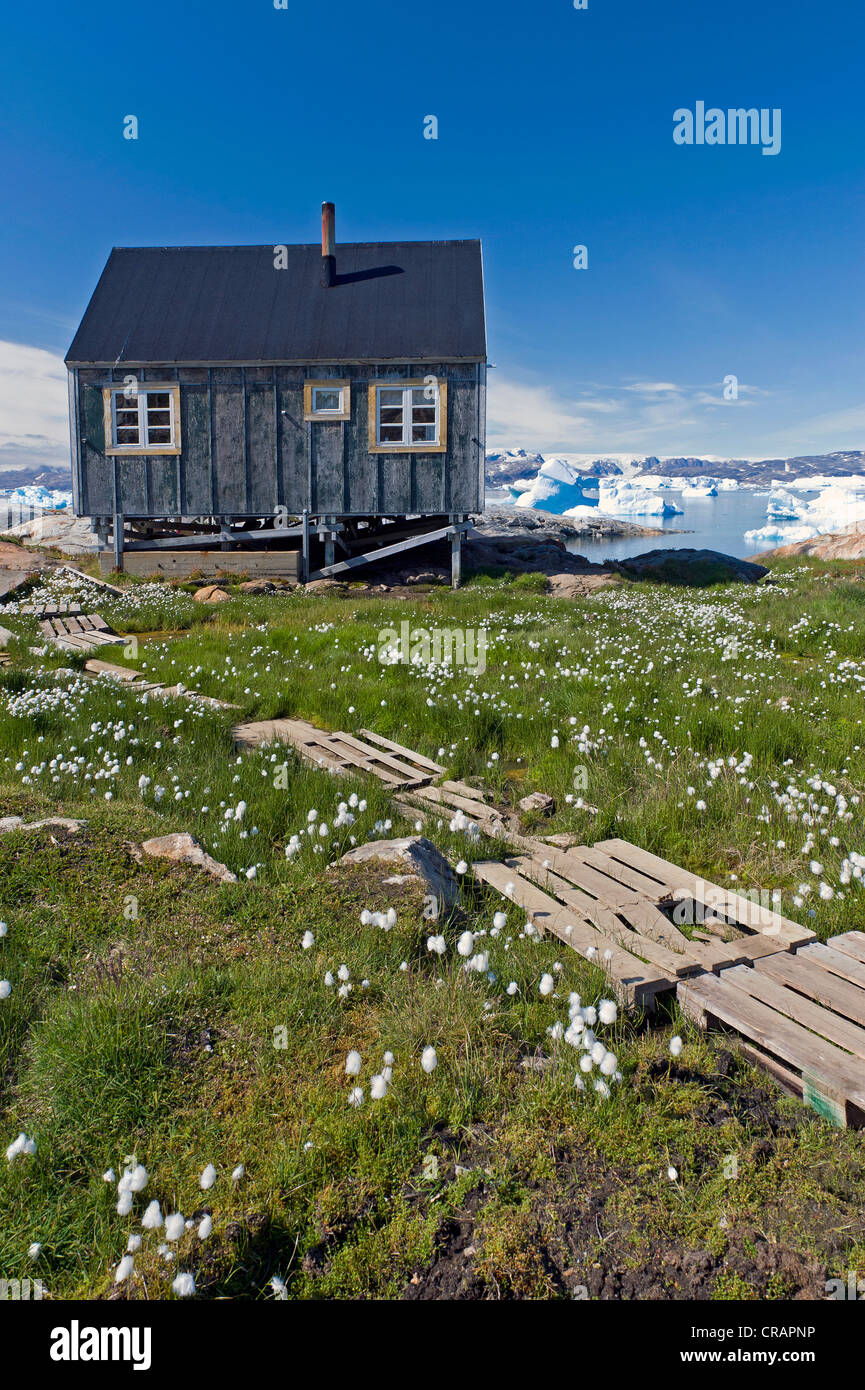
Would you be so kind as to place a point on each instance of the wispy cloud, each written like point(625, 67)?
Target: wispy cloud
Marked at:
point(34, 431)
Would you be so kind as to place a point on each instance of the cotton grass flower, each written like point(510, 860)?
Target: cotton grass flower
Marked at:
point(607, 1011)
point(356, 1097)
point(676, 1045)
point(175, 1225)
point(5, 989)
point(22, 1147)
point(124, 1269)
point(547, 984)
point(208, 1178)
point(152, 1218)
point(183, 1286)
point(238, 1172)
point(308, 940)
point(353, 1063)
point(429, 1059)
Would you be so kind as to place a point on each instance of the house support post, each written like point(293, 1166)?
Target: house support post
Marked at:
point(304, 558)
point(329, 547)
point(118, 541)
point(456, 558)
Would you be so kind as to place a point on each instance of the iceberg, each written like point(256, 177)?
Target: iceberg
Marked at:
point(840, 502)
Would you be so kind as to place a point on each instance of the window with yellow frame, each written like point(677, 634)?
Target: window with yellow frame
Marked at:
point(408, 417)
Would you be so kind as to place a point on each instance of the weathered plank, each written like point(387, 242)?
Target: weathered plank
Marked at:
point(398, 748)
point(851, 943)
point(833, 1081)
point(635, 981)
point(822, 1021)
point(837, 994)
point(677, 881)
point(836, 962)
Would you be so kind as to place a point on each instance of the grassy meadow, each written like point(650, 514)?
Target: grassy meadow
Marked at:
point(156, 1018)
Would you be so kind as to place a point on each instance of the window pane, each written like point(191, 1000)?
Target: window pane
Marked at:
point(129, 418)
point(386, 396)
point(326, 400)
point(419, 395)
point(423, 434)
point(390, 417)
point(424, 415)
point(158, 400)
point(158, 436)
point(127, 436)
point(159, 417)
point(391, 434)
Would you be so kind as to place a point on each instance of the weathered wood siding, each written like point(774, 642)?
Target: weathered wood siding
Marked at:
point(247, 451)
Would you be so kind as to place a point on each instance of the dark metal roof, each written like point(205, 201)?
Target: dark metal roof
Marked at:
point(399, 300)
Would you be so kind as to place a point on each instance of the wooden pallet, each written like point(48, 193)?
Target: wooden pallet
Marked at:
point(638, 969)
point(51, 610)
point(342, 753)
point(800, 1021)
point(79, 632)
point(706, 903)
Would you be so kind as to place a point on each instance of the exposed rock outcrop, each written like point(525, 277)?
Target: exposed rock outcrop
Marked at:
point(698, 568)
point(420, 859)
point(182, 849)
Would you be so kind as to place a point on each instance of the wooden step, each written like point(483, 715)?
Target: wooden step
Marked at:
point(636, 982)
point(677, 882)
point(829, 1079)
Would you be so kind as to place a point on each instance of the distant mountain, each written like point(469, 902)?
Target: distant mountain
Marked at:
point(54, 479)
point(505, 467)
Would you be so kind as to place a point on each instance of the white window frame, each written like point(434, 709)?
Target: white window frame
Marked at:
point(137, 400)
point(405, 445)
point(310, 390)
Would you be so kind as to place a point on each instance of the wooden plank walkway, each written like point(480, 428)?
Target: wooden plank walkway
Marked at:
point(77, 631)
point(796, 1005)
point(811, 1049)
point(340, 752)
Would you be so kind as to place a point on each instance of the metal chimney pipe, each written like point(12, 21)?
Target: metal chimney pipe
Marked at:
point(328, 245)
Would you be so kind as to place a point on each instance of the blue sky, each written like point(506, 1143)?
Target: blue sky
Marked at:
point(555, 129)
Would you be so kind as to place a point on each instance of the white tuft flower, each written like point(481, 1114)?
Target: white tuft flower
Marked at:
point(353, 1064)
point(237, 1173)
point(378, 1088)
point(607, 1011)
point(429, 1059)
point(356, 1097)
point(152, 1218)
point(175, 1225)
point(124, 1269)
point(208, 1177)
point(547, 984)
point(308, 940)
point(676, 1045)
point(183, 1285)
point(205, 1227)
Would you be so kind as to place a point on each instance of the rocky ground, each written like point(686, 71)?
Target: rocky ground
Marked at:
point(846, 544)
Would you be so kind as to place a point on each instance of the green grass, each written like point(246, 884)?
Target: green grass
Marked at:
point(147, 1000)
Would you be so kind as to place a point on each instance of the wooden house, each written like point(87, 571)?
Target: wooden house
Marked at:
point(222, 397)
